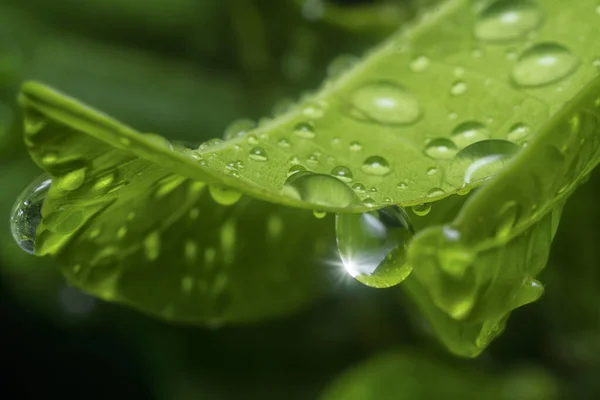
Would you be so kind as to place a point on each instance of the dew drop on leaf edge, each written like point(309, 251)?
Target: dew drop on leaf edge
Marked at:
point(372, 245)
point(26, 213)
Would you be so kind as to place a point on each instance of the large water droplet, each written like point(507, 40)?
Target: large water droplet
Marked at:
point(372, 245)
point(26, 214)
point(319, 189)
point(441, 148)
point(376, 165)
point(421, 209)
point(384, 102)
point(469, 132)
point(543, 64)
point(484, 159)
point(508, 20)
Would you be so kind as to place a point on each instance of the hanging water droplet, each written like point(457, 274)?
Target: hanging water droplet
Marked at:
point(384, 102)
point(376, 165)
point(484, 159)
point(26, 213)
point(508, 20)
point(422, 209)
point(458, 88)
point(72, 180)
point(372, 245)
point(543, 64)
point(238, 128)
point(441, 149)
point(319, 214)
point(518, 133)
point(319, 189)
point(342, 173)
point(469, 132)
point(419, 64)
point(258, 154)
point(304, 130)
point(224, 195)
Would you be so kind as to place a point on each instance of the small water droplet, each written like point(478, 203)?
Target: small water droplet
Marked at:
point(432, 171)
point(26, 213)
point(384, 102)
point(441, 148)
point(469, 132)
point(284, 143)
point(313, 110)
point(258, 154)
point(402, 186)
point(224, 195)
point(484, 159)
point(341, 65)
point(238, 129)
point(421, 209)
point(458, 88)
point(543, 64)
point(372, 245)
point(518, 133)
point(152, 246)
point(72, 180)
point(369, 202)
point(506, 20)
point(435, 192)
point(376, 165)
point(304, 130)
point(313, 158)
point(319, 189)
point(419, 64)
point(49, 159)
point(252, 139)
point(355, 146)
point(359, 188)
point(343, 173)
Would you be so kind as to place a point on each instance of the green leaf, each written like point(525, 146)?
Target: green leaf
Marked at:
point(408, 374)
point(436, 110)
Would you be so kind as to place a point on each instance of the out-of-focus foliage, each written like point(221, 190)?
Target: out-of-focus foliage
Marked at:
point(186, 69)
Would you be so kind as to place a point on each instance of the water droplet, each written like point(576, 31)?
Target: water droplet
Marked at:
point(422, 209)
point(159, 141)
point(319, 214)
point(313, 110)
point(258, 154)
point(319, 189)
point(355, 146)
point(72, 180)
point(469, 132)
point(419, 64)
point(252, 139)
point(384, 102)
point(313, 158)
point(432, 171)
point(372, 245)
point(295, 168)
point(441, 149)
point(341, 65)
point(359, 188)
point(304, 130)
point(508, 20)
point(26, 213)
point(342, 173)
point(238, 128)
point(458, 88)
point(284, 143)
point(49, 159)
point(543, 64)
point(483, 159)
point(152, 246)
point(376, 165)
point(224, 195)
point(369, 202)
point(436, 192)
point(518, 133)
point(402, 186)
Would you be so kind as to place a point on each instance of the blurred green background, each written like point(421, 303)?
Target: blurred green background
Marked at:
point(186, 69)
